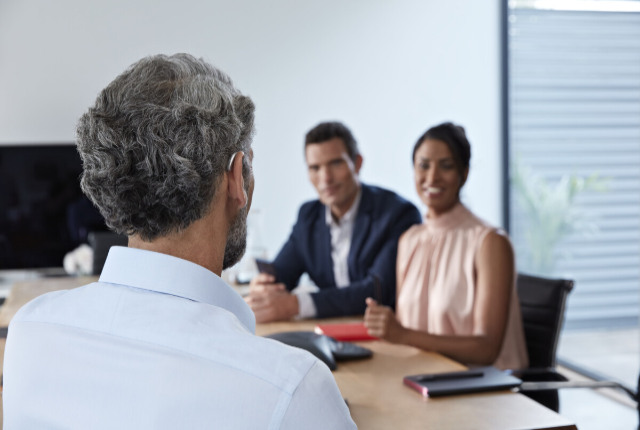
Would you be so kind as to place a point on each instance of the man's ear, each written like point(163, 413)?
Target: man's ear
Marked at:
point(358, 163)
point(235, 187)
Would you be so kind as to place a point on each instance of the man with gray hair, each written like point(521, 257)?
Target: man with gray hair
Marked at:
point(160, 341)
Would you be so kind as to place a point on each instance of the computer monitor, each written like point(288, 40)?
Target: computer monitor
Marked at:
point(43, 213)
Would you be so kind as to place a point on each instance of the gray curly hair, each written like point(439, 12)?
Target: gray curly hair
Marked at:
point(156, 143)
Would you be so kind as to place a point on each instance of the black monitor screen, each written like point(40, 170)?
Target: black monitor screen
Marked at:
point(43, 213)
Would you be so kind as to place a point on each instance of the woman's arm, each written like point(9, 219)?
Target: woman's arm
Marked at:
point(495, 274)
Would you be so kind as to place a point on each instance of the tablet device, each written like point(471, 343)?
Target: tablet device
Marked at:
point(477, 380)
point(266, 267)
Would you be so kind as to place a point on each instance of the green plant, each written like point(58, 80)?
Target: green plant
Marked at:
point(550, 214)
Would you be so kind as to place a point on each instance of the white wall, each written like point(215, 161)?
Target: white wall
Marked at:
point(388, 69)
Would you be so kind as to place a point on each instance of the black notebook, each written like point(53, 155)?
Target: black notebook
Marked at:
point(469, 381)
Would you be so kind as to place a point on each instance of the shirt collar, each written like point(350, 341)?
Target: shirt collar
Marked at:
point(166, 274)
point(349, 215)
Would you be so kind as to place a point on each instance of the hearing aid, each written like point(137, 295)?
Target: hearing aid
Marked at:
point(233, 157)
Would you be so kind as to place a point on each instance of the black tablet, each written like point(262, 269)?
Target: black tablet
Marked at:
point(477, 380)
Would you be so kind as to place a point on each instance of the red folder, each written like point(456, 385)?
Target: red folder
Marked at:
point(348, 332)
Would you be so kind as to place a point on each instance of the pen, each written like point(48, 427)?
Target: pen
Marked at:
point(377, 291)
point(449, 376)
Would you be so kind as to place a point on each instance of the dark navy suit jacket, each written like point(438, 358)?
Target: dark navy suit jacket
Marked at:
point(382, 218)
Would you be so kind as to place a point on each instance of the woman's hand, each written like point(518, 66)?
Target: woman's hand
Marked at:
point(381, 322)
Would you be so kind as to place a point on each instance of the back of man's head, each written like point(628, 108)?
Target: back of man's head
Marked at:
point(326, 131)
point(157, 141)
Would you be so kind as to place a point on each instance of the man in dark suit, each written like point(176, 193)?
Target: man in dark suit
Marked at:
point(346, 241)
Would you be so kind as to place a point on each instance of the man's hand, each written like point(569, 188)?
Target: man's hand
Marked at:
point(263, 283)
point(270, 301)
point(381, 322)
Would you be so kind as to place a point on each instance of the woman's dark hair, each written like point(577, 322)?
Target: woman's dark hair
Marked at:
point(329, 130)
point(455, 138)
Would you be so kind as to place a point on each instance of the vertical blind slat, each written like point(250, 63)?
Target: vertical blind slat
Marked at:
point(574, 106)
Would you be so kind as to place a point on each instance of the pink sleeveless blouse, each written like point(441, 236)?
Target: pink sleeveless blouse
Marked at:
point(436, 265)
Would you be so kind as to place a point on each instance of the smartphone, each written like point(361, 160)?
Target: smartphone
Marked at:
point(266, 267)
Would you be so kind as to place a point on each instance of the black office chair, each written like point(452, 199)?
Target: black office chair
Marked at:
point(542, 302)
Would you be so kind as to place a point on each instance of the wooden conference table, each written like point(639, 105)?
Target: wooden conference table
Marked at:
point(377, 398)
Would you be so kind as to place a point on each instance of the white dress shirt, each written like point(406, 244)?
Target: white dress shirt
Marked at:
point(158, 343)
point(341, 234)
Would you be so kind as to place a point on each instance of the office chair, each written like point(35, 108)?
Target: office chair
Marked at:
point(542, 302)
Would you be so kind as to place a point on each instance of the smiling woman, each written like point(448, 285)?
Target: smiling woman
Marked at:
point(441, 166)
point(455, 273)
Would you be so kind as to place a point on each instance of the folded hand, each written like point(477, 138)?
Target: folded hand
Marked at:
point(381, 322)
point(270, 301)
point(263, 283)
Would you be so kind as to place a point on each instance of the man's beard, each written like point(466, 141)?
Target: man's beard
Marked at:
point(236, 240)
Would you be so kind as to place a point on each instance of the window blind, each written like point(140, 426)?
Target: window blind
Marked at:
point(574, 108)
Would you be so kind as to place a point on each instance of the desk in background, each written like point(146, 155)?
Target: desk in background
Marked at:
point(374, 389)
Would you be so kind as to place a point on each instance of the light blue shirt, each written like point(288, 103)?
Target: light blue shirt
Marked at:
point(158, 343)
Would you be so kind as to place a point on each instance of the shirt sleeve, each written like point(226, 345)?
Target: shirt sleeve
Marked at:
point(306, 307)
point(317, 404)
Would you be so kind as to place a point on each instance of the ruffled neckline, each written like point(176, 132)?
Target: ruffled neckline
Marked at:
point(449, 220)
